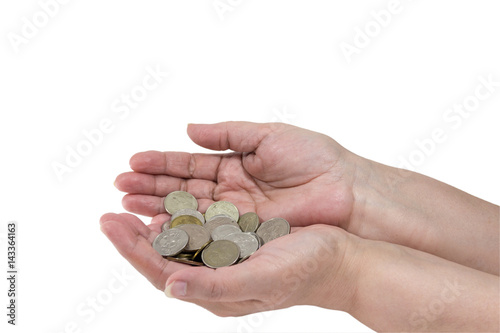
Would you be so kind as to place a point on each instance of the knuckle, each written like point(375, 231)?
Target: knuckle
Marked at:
point(192, 165)
point(183, 185)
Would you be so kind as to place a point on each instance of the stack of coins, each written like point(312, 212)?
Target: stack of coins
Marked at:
point(218, 238)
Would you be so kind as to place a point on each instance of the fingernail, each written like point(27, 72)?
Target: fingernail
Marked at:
point(176, 289)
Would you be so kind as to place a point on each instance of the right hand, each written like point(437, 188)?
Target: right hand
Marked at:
point(276, 170)
point(315, 265)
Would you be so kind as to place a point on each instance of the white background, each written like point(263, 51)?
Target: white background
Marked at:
point(264, 61)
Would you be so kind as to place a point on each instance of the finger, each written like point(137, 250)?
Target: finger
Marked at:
point(130, 237)
point(177, 164)
point(133, 221)
point(238, 136)
point(158, 220)
point(242, 282)
point(150, 205)
point(160, 185)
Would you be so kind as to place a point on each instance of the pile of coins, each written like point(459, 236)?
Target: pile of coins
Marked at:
point(218, 238)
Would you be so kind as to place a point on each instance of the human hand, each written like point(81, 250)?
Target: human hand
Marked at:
point(281, 170)
point(304, 267)
point(386, 286)
point(133, 240)
point(308, 178)
point(276, 170)
point(313, 265)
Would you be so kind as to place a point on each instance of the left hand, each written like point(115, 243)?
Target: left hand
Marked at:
point(305, 267)
point(274, 170)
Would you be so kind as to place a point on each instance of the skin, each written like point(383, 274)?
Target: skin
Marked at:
point(367, 216)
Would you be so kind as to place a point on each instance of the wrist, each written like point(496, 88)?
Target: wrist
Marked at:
point(385, 206)
point(406, 208)
point(366, 191)
point(335, 287)
point(399, 289)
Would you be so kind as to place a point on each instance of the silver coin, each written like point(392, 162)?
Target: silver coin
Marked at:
point(249, 222)
point(222, 208)
point(273, 228)
point(188, 211)
point(198, 236)
point(223, 230)
point(219, 215)
point(171, 242)
point(247, 243)
point(165, 226)
point(243, 259)
point(217, 221)
point(257, 237)
point(177, 200)
point(220, 253)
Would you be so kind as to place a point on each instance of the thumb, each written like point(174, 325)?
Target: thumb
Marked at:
point(240, 136)
point(226, 284)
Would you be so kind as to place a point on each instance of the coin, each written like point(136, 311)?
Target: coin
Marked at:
point(249, 222)
point(197, 236)
point(187, 237)
point(216, 221)
point(171, 242)
point(220, 253)
point(243, 259)
point(247, 243)
point(222, 208)
point(188, 211)
point(273, 228)
point(185, 261)
point(259, 240)
point(177, 200)
point(196, 254)
point(223, 230)
point(165, 226)
point(218, 216)
point(184, 219)
point(185, 255)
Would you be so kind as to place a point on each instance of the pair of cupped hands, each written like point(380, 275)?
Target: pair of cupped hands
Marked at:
point(275, 170)
point(334, 255)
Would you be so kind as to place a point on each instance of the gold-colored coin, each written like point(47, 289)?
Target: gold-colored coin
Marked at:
point(185, 256)
point(184, 219)
point(185, 261)
point(197, 253)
